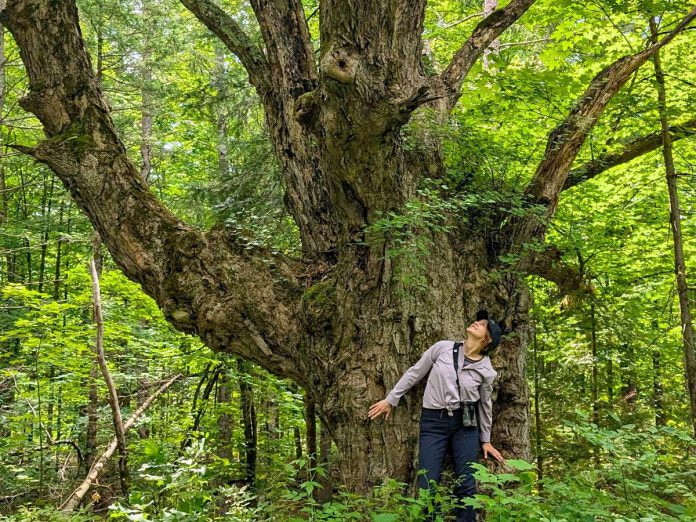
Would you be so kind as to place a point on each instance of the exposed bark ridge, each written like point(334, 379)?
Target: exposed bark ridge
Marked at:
point(288, 46)
point(369, 80)
point(631, 150)
point(565, 141)
point(235, 297)
point(375, 46)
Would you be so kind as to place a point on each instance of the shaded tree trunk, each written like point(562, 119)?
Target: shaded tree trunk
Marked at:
point(537, 407)
point(610, 373)
point(658, 394)
point(46, 204)
point(92, 418)
point(628, 374)
point(146, 119)
point(325, 494)
point(248, 421)
point(200, 401)
point(310, 415)
point(224, 418)
point(339, 320)
point(595, 376)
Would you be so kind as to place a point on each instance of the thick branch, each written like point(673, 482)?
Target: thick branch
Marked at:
point(630, 151)
point(550, 266)
point(285, 79)
point(565, 141)
point(236, 297)
point(288, 46)
point(485, 33)
point(234, 37)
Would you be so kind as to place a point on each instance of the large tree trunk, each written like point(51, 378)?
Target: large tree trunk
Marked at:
point(379, 335)
point(339, 321)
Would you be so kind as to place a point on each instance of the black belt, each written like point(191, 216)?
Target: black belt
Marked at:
point(471, 412)
point(442, 410)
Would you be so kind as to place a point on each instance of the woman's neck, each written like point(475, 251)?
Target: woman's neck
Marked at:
point(472, 348)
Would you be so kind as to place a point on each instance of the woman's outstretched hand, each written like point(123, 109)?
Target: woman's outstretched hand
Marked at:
point(488, 448)
point(379, 408)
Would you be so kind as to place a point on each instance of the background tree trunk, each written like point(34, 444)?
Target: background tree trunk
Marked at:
point(249, 422)
point(224, 419)
point(687, 325)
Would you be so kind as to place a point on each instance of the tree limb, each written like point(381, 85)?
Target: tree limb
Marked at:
point(285, 79)
point(234, 37)
point(630, 151)
point(565, 141)
point(485, 33)
point(550, 266)
point(236, 297)
point(288, 46)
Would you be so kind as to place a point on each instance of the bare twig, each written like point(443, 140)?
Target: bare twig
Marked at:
point(113, 394)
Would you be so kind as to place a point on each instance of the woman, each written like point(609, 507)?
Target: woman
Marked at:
point(457, 408)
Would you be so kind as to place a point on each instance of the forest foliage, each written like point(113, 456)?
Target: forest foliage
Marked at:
point(611, 433)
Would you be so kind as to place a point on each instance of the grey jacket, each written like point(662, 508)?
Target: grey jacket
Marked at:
point(475, 382)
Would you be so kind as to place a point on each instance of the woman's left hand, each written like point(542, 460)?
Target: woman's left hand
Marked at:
point(488, 448)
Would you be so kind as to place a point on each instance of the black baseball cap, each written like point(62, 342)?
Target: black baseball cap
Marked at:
point(493, 329)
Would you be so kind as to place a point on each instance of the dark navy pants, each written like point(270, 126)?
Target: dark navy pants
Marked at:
point(440, 433)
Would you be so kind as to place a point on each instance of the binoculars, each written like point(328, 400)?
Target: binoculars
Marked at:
point(470, 414)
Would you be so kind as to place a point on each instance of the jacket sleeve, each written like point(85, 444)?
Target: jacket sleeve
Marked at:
point(414, 374)
point(485, 408)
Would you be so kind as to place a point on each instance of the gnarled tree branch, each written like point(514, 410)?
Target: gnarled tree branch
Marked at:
point(565, 141)
point(288, 46)
point(234, 37)
point(236, 297)
point(550, 266)
point(631, 150)
point(285, 79)
point(449, 82)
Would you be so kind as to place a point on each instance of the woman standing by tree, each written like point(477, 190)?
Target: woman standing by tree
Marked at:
point(457, 406)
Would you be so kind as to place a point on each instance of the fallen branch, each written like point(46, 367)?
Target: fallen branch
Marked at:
point(76, 496)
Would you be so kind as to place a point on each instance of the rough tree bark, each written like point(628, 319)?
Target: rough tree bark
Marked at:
point(336, 321)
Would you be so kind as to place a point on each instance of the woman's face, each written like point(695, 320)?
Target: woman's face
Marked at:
point(479, 330)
